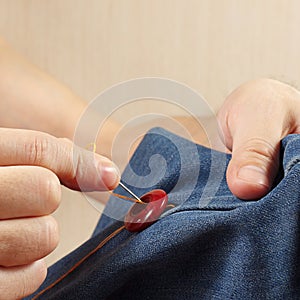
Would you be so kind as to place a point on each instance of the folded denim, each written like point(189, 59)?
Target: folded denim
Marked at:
point(211, 245)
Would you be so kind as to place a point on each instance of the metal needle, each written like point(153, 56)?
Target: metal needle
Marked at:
point(130, 192)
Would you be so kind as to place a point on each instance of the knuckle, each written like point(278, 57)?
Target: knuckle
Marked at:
point(37, 148)
point(50, 190)
point(49, 238)
point(34, 278)
point(7, 248)
point(74, 160)
point(22, 242)
point(68, 165)
point(67, 147)
point(259, 150)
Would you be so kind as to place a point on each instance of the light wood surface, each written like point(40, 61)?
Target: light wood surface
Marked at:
point(212, 46)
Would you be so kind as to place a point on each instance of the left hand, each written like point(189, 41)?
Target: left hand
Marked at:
point(253, 119)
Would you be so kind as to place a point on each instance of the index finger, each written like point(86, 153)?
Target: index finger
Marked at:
point(76, 168)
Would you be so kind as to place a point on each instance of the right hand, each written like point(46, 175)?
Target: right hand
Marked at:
point(32, 166)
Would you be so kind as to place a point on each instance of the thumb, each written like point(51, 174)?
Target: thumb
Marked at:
point(254, 119)
point(253, 166)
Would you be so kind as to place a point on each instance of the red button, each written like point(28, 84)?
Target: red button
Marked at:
point(140, 216)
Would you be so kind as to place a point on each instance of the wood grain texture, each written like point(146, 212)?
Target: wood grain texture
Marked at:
point(212, 46)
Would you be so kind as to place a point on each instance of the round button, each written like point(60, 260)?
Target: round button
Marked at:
point(142, 215)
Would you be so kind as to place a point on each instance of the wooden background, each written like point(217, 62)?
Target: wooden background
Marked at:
point(210, 45)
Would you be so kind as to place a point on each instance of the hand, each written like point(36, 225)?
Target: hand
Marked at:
point(253, 120)
point(32, 166)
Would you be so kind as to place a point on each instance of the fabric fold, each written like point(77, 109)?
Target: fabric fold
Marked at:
point(212, 245)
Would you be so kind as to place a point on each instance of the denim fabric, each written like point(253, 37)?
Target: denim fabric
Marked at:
point(208, 247)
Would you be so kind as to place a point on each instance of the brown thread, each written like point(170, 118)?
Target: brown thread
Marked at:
point(87, 147)
point(170, 206)
point(100, 245)
point(94, 148)
point(125, 197)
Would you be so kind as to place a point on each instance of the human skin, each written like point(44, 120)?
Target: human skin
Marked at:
point(253, 120)
point(33, 99)
point(34, 164)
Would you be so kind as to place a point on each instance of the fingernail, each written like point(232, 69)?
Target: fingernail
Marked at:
point(110, 174)
point(253, 174)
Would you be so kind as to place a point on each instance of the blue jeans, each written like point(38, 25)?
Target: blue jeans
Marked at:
point(211, 245)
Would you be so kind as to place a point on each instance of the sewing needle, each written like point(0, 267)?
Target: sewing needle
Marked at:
point(130, 192)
